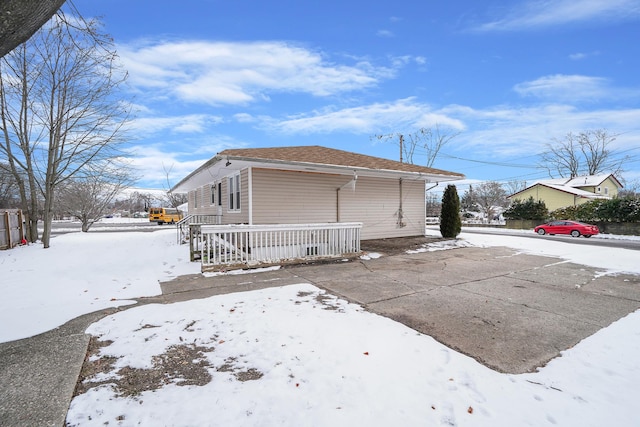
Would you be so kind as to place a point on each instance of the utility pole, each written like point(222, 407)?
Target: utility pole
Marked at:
point(401, 139)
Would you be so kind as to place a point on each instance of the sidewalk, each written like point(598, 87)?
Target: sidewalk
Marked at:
point(512, 312)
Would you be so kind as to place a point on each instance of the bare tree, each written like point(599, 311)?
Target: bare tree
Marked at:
point(515, 186)
point(433, 205)
point(468, 202)
point(173, 199)
point(60, 111)
point(138, 202)
point(587, 153)
point(431, 140)
point(632, 189)
point(90, 196)
point(488, 196)
point(8, 188)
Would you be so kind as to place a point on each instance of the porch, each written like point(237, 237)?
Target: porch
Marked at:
point(236, 246)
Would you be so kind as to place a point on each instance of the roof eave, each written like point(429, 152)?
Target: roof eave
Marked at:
point(314, 167)
point(176, 188)
point(321, 167)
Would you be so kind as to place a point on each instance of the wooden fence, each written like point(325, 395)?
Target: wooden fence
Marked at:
point(11, 228)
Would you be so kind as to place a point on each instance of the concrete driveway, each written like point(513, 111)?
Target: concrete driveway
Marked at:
point(512, 312)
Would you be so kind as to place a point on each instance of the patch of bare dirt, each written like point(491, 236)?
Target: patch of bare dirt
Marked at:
point(184, 364)
point(396, 245)
point(327, 301)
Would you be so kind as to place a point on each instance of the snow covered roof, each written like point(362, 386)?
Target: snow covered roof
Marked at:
point(575, 191)
point(580, 181)
point(574, 185)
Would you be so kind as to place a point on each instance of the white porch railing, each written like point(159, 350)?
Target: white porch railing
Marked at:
point(188, 226)
point(249, 245)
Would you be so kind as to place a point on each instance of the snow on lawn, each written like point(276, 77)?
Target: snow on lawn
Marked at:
point(81, 273)
point(295, 356)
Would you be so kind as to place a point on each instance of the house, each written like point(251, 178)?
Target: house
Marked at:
point(312, 185)
point(563, 192)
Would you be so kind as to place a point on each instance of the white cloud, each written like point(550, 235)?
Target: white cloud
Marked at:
point(192, 123)
point(378, 117)
point(230, 73)
point(544, 13)
point(505, 130)
point(385, 34)
point(565, 87)
point(573, 88)
point(244, 118)
point(421, 60)
point(509, 131)
point(176, 159)
point(578, 56)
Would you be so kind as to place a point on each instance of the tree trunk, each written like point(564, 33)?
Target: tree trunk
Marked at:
point(19, 19)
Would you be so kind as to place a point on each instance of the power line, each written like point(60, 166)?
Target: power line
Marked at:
point(505, 164)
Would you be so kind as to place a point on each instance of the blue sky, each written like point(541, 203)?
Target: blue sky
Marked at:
point(509, 76)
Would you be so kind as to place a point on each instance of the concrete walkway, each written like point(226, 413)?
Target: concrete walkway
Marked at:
point(510, 311)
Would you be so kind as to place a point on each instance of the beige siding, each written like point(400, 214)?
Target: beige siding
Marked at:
point(376, 203)
point(289, 197)
point(200, 201)
point(608, 188)
point(191, 199)
point(281, 197)
point(300, 197)
point(553, 199)
point(236, 216)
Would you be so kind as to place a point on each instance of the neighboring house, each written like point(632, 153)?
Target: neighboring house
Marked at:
point(312, 184)
point(563, 192)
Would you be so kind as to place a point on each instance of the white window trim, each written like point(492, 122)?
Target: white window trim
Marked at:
point(198, 198)
point(234, 197)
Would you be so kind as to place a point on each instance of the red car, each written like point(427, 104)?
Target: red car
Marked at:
point(574, 228)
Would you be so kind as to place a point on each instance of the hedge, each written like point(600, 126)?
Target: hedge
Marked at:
point(526, 210)
point(626, 209)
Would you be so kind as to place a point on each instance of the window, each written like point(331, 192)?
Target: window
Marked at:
point(220, 194)
point(599, 190)
point(234, 192)
point(606, 191)
point(213, 194)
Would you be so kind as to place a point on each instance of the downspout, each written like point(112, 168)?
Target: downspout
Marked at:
point(250, 194)
point(400, 222)
point(249, 250)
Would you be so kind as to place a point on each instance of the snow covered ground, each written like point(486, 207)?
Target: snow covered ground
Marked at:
point(295, 356)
